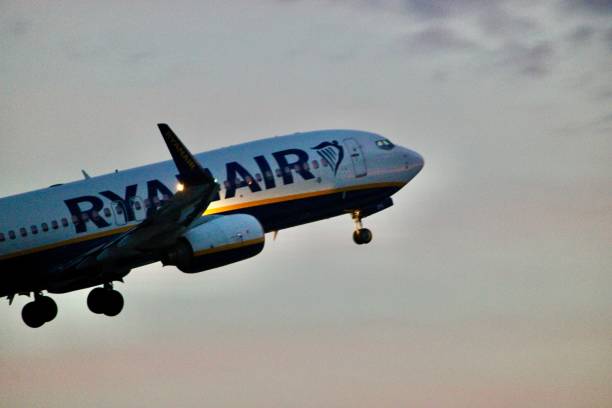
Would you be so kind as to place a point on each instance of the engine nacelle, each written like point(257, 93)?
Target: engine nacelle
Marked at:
point(223, 240)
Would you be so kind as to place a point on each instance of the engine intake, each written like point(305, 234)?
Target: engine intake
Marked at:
point(223, 240)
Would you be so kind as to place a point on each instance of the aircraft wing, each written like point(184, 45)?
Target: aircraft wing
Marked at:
point(163, 226)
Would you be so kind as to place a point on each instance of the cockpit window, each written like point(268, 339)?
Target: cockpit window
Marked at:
point(385, 144)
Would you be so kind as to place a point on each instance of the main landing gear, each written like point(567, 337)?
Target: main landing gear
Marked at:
point(105, 300)
point(360, 235)
point(40, 311)
point(43, 309)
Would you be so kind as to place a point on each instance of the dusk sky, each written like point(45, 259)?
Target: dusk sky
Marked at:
point(487, 284)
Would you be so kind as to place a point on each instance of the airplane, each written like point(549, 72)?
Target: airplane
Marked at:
point(194, 212)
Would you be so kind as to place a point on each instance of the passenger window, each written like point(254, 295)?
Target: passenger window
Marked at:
point(249, 180)
point(324, 162)
point(23, 232)
point(287, 170)
point(45, 226)
point(118, 209)
point(85, 217)
point(306, 166)
point(12, 235)
point(278, 173)
point(147, 203)
point(64, 222)
point(95, 215)
point(137, 205)
point(75, 219)
point(269, 174)
point(34, 229)
point(54, 224)
point(258, 177)
point(2, 239)
point(107, 212)
point(315, 164)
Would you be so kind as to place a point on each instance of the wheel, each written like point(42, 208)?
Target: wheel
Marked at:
point(366, 235)
point(96, 300)
point(362, 236)
point(113, 304)
point(357, 238)
point(48, 306)
point(33, 314)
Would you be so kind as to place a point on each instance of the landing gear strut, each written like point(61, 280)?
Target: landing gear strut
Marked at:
point(40, 311)
point(105, 300)
point(360, 235)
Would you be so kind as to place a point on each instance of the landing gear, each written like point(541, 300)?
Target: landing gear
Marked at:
point(105, 300)
point(40, 311)
point(360, 235)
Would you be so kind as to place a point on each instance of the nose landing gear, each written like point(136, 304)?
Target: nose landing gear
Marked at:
point(360, 235)
point(105, 301)
point(40, 311)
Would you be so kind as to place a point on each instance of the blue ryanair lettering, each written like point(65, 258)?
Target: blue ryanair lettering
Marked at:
point(85, 210)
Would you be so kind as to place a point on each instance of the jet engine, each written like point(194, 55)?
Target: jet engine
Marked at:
point(221, 240)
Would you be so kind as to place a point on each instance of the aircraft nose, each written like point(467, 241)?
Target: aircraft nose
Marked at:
point(413, 163)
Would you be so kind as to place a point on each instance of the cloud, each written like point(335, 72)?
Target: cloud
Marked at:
point(606, 118)
point(590, 6)
point(529, 60)
point(17, 28)
point(444, 8)
point(608, 38)
point(501, 22)
point(437, 39)
point(581, 34)
point(138, 57)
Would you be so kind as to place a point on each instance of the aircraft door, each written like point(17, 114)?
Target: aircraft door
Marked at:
point(356, 154)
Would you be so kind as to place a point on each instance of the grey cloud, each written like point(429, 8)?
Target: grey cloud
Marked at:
point(603, 95)
point(591, 6)
point(607, 118)
point(582, 34)
point(444, 8)
point(608, 38)
point(436, 39)
point(501, 22)
point(17, 28)
point(531, 61)
point(139, 56)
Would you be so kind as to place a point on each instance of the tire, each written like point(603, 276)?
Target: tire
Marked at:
point(113, 304)
point(365, 236)
point(362, 236)
point(96, 300)
point(33, 314)
point(49, 307)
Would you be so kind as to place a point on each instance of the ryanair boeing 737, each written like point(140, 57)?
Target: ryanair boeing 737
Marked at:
point(194, 212)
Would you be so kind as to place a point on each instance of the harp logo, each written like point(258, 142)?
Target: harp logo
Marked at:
point(332, 153)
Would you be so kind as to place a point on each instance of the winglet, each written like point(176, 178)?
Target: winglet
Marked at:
point(190, 171)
